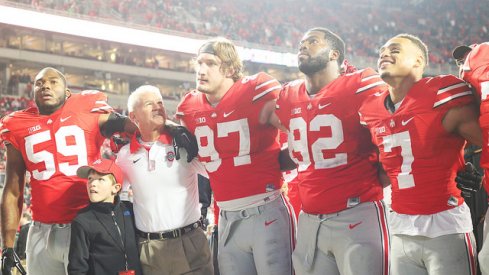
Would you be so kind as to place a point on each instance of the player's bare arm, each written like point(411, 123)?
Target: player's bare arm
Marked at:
point(268, 116)
point(464, 121)
point(12, 199)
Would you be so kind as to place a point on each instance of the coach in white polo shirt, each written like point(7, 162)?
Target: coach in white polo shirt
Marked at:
point(166, 197)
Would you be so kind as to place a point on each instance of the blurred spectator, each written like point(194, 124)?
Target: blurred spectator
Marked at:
point(443, 24)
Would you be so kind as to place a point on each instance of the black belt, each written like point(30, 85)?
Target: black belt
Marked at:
point(169, 234)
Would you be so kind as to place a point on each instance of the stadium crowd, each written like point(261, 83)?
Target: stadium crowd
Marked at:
point(442, 24)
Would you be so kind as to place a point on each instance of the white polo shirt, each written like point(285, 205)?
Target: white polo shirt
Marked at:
point(165, 191)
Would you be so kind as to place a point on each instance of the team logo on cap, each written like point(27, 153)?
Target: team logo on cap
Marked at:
point(170, 156)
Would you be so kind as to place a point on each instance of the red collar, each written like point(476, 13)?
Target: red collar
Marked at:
point(164, 138)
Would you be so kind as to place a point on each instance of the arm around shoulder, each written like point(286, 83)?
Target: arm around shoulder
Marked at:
point(464, 120)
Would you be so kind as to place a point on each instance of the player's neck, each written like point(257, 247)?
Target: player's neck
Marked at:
point(399, 87)
point(215, 98)
point(315, 82)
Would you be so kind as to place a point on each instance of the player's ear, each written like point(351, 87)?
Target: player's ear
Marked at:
point(334, 55)
point(132, 117)
point(67, 93)
point(230, 72)
point(420, 62)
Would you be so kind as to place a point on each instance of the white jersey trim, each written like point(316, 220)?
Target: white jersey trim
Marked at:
point(370, 77)
point(451, 221)
point(445, 100)
point(258, 96)
point(264, 84)
point(451, 87)
point(363, 89)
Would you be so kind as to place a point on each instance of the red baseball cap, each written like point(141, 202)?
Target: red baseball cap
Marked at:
point(102, 166)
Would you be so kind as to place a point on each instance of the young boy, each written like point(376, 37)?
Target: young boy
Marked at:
point(103, 240)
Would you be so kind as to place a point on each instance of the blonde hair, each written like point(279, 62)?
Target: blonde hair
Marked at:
point(226, 51)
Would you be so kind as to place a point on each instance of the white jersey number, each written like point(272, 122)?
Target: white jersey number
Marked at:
point(79, 149)
point(405, 178)
point(223, 130)
point(300, 145)
point(484, 90)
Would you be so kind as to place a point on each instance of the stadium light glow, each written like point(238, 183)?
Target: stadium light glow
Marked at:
point(102, 31)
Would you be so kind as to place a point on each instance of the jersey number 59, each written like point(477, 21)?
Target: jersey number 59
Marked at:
point(78, 149)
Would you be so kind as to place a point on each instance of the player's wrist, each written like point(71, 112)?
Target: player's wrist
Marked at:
point(7, 250)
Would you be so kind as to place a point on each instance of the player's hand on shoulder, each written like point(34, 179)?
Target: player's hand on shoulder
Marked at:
point(182, 138)
point(118, 140)
point(469, 180)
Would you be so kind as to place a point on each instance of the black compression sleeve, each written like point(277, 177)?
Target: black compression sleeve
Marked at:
point(115, 123)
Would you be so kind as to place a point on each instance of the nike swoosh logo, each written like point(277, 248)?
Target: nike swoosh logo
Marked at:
point(228, 114)
point(404, 122)
point(351, 226)
point(378, 94)
point(63, 119)
point(134, 161)
point(267, 223)
point(323, 106)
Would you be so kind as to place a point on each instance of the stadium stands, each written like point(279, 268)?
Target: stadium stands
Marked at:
point(443, 24)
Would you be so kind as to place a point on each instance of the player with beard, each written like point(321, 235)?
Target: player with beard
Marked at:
point(342, 228)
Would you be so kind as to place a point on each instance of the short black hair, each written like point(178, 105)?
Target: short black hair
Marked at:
point(334, 40)
point(418, 43)
point(59, 73)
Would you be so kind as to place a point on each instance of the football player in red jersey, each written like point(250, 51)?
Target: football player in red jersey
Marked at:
point(50, 142)
point(342, 228)
point(230, 116)
point(420, 126)
point(473, 62)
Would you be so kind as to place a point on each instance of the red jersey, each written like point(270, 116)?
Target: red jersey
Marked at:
point(290, 178)
point(337, 165)
point(239, 153)
point(53, 147)
point(476, 72)
point(420, 157)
